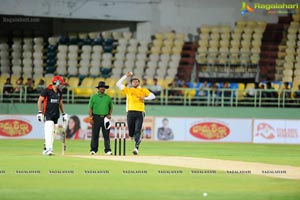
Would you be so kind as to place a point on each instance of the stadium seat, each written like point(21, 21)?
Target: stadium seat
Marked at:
point(142, 49)
point(127, 35)
point(138, 73)
point(155, 50)
point(107, 56)
point(168, 43)
point(83, 71)
point(116, 35)
point(73, 82)
point(106, 34)
point(150, 72)
point(143, 43)
point(72, 70)
point(166, 50)
point(95, 63)
point(53, 40)
point(16, 70)
point(130, 56)
point(62, 48)
point(141, 56)
point(163, 64)
point(129, 65)
point(157, 43)
point(86, 48)
point(116, 72)
point(106, 64)
point(154, 57)
point(140, 64)
point(38, 71)
point(94, 71)
point(180, 36)
point(4, 70)
point(85, 87)
point(111, 81)
point(159, 36)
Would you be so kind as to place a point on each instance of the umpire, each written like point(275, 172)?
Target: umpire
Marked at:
point(100, 109)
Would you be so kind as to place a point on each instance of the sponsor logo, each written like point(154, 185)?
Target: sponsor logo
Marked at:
point(53, 100)
point(270, 8)
point(265, 130)
point(14, 128)
point(209, 130)
point(246, 8)
point(268, 132)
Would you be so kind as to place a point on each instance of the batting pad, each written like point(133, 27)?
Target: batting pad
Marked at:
point(49, 133)
point(54, 132)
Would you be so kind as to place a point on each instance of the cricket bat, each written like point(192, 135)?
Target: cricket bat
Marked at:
point(63, 138)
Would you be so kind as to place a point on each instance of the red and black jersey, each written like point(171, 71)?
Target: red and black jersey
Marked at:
point(51, 103)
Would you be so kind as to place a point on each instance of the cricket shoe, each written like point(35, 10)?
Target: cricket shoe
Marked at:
point(109, 153)
point(135, 151)
point(48, 152)
point(92, 152)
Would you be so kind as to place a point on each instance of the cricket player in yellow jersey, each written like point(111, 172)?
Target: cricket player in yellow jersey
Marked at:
point(135, 107)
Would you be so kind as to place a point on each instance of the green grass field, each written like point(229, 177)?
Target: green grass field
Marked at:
point(110, 182)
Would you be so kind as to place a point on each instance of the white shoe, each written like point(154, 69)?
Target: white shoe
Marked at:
point(109, 153)
point(92, 152)
point(48, 152)
point(135, 151)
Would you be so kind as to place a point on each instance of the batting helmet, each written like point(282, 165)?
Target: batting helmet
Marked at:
point(58, 80)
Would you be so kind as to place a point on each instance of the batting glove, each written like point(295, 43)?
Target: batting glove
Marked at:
point(65, 117)
point(40, 116)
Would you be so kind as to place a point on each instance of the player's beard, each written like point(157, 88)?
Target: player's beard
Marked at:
point(136, 86)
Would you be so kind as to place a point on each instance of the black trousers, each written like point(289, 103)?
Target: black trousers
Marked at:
point(99, 123)
point(135, 121)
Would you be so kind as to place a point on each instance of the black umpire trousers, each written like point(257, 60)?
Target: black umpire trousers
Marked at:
point(135, 121)
point(99, 123)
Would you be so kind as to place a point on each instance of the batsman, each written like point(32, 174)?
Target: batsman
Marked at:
point(135, 107)
point(49, 104)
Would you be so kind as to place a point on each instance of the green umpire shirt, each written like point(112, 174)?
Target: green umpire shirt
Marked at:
point(100, 104)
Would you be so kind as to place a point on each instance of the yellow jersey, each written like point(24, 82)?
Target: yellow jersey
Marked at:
point(133, 103)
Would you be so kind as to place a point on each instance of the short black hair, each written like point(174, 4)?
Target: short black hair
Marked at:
point(134, 78)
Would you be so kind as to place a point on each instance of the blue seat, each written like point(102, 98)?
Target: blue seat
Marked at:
point(107, 48)
point(98, 41)
point(87, 41)
point(198, 84)
point(73, 41)
point(108, 41)
point(105, 72)
point(51, 48)
point(50, 69)
point(190, 84)
point(63, 40)
point(51, 55)
point(50, 62)
point(235, 87)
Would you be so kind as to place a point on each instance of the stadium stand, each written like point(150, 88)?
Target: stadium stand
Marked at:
point(250, 51)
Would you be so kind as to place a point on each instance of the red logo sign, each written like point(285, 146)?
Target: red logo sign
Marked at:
point(265, 130)
point(14, 128)
point(209, 131)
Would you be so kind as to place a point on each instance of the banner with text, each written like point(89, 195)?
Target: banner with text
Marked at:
point(276, 131)
point(203, 129)
point(78, 127)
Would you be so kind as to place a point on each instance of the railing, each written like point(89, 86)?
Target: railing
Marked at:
point(175, 96)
